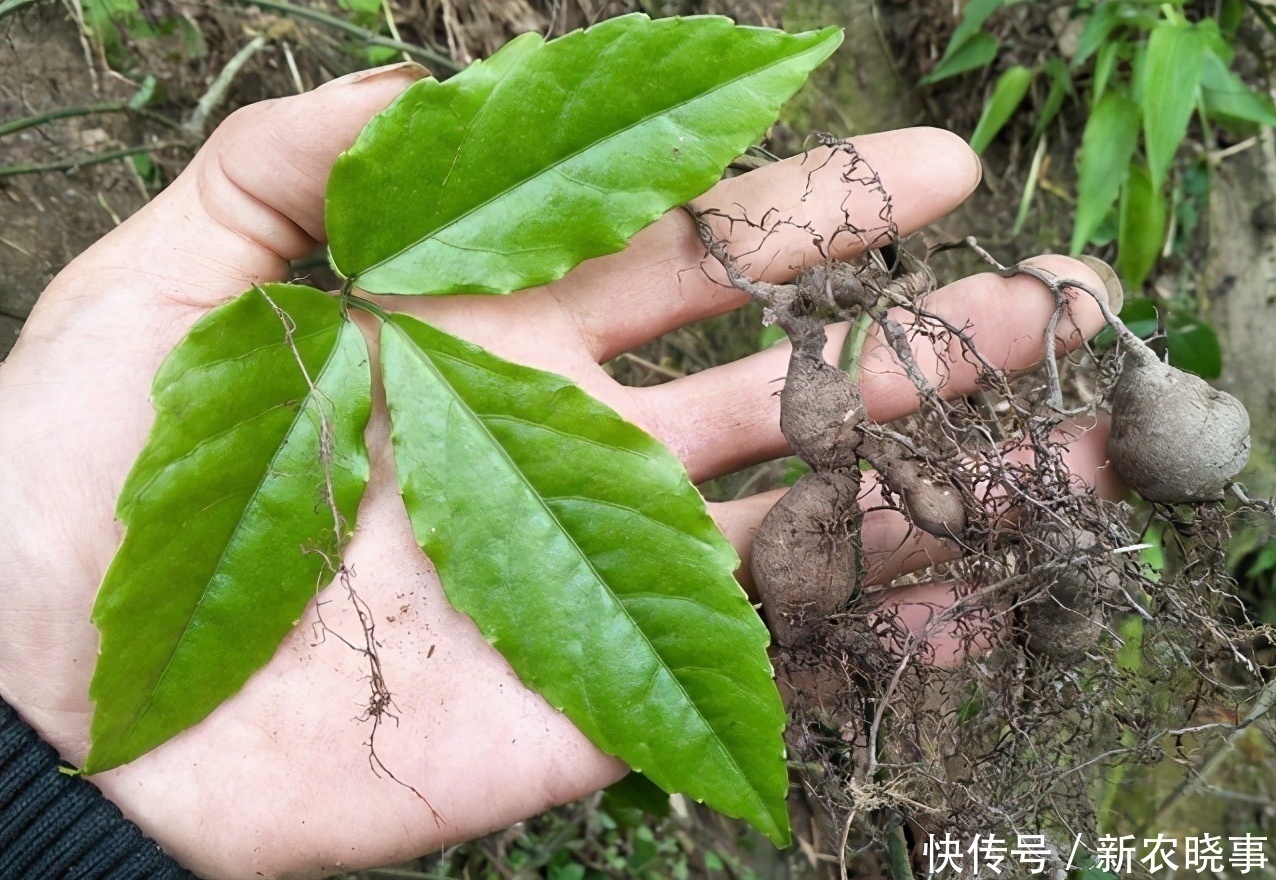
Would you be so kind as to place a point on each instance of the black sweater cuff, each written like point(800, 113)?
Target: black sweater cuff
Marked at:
point(57, 827)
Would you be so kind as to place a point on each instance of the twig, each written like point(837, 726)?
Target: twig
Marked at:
point(1262, 705)
point(391, 26)
point(84, 161)
point(841, 849)
point(654, 367)
point(440, 61)
point(216, 93)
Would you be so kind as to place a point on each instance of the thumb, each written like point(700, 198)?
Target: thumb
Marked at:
point(253, 197)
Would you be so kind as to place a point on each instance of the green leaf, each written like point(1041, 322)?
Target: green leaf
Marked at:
point(1006, 97)
point(1170, 74)
point(1104, 64)
point(586, 557)
point(770, 335)
point(1060, 88)
point(1225, 95)
point(1191, 344)
point(1100, 23)
point(520, 167)
point(1106, 147)
point(637, 792)
point(1142, 228)
point(967, 42)
point(247, 486)
point(976, 52)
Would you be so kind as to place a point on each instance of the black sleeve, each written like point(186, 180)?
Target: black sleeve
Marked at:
point(54, 826)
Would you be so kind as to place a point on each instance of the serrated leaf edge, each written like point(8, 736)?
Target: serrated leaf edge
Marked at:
point(425, 359)
point(828, 33)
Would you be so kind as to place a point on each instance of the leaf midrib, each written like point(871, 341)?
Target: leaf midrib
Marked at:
point(475, 419)
point(269, 469)
point(434, 233)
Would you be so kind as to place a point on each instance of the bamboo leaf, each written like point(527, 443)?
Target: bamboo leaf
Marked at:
point(967, 42)
point(1226, 96)
point(245, 492)
point(1170, 75)
point(586, 557)
point(1104, 64)
point(1099, 25)
point(1006, 98)
point(976, 52)
point(1060, 88)
point(1142, 228)
point(1106, 147)
point(520, 167)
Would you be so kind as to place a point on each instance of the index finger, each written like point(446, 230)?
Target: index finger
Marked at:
point(777, 220)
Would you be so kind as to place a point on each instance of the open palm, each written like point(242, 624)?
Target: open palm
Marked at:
point(277, 780)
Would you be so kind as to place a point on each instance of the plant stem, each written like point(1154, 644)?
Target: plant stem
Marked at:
point(69, 112)
point(365, 305)
point(60, 113)
point(854, 345)
point(364, 34)
point(897, 849)
point(82, 161)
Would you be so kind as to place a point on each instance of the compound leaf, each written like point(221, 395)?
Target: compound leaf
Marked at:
point(584, 554)
point(235, 511)
point(520, 167)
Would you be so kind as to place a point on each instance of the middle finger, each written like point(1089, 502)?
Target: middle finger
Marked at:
point(728, 417)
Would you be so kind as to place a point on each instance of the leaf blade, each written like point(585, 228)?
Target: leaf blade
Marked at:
point(1226, 95)
point(1106, 147)
point(525, 165)
point(1007, 94)
point(570, 494)
point(1142, 228)
point(199, 594)
point(977, 51)
point(1171, 74)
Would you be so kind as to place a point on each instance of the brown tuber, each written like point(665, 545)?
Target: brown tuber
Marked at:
point(820, 409)
point(933, 506)
point(1174, 438)
point(806, 555)
point(1066, 622)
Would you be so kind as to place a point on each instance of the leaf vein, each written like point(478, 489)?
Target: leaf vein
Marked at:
point(269, 470)
point(715, 739)
point(515, 185)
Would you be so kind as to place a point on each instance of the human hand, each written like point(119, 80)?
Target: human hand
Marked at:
point(277, 780)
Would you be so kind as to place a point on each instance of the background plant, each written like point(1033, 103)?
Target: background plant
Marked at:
point(1156, 85)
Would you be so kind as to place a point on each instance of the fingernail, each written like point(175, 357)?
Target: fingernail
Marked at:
point(1116, 293)
point(410, 69)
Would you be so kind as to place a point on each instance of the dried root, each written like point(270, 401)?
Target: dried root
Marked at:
point(991, 713)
